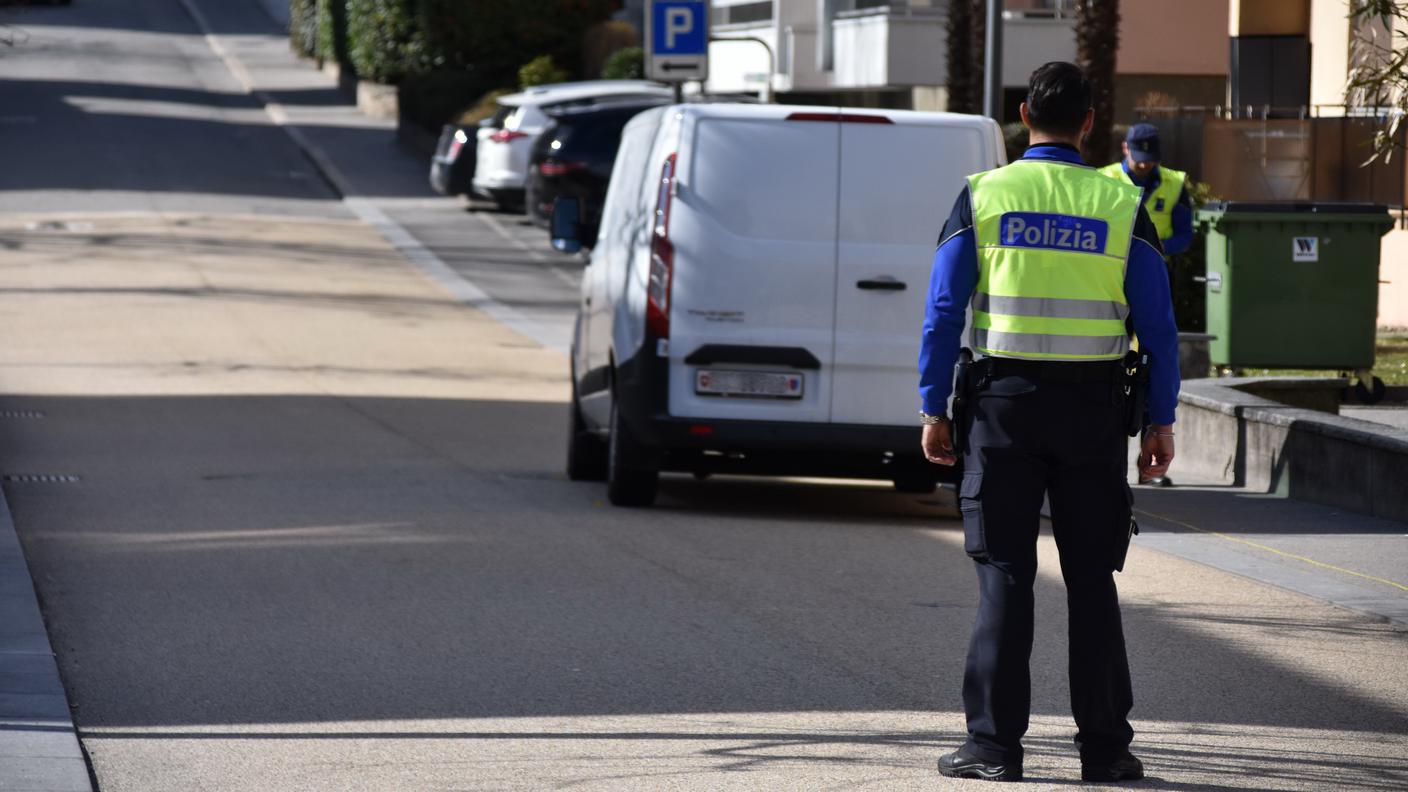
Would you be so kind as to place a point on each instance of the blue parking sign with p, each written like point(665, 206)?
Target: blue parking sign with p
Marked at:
point(679, 27)
point(677, 40)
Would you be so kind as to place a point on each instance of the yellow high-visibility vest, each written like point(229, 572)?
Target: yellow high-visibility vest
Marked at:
point(1161, 199)
point(1053, 242)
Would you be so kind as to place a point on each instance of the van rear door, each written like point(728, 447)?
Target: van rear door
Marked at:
point(753, 286)
point(899, 179)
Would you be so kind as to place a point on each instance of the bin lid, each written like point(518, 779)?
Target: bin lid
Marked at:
point(1312, 207)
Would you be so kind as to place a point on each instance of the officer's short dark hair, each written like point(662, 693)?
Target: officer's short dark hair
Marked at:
point(1058, 95)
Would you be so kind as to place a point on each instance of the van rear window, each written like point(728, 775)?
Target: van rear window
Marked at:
point(767, 179)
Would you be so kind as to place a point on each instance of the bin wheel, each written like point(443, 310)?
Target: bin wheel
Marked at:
point(1372, 393)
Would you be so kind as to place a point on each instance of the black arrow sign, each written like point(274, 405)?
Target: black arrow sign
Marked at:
point(669, 67)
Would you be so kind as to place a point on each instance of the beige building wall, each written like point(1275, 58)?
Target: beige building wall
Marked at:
point(1329, 53)
point(1191, 40)
point(1393, 268)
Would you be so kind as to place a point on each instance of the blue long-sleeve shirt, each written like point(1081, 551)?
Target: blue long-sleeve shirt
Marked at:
point(1182, 238)
point(955, 276)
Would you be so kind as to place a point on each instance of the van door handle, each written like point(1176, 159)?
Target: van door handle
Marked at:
point(882, 283)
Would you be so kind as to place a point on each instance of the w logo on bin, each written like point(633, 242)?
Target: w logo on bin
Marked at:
point(1305, 248)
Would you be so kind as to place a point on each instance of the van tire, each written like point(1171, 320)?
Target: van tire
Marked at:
point(630, 481)
point(586, 453)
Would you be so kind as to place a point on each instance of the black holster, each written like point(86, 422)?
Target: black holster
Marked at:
point(1134, 391)
point(962, 400)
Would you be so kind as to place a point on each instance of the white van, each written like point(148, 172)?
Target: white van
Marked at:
point(754, 298)
point(505, 141)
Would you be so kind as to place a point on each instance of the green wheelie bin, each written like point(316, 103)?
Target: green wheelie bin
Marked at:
point(1295, 286)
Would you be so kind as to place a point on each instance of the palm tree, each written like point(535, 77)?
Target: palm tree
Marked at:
point(960, 58)
point(1097, 39)
point(965, 55)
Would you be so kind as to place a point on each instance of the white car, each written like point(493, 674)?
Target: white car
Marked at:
point(754, 298)
point(505, 142)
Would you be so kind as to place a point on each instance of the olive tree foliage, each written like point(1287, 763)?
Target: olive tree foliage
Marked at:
point(1378, 75)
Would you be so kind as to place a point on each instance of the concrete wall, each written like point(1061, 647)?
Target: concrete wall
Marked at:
point(1190, 41)
point(1393, 267)
point(1204, 90)
point(1028, 42)
point(1229, 436)
point(736, 66)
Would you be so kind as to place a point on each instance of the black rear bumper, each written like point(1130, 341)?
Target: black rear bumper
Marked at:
point(761, 447)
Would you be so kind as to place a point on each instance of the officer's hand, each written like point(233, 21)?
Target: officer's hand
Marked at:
point(938, 443)
point(1156, 453)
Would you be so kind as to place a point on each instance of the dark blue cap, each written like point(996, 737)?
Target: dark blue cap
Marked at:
point(1143, 140)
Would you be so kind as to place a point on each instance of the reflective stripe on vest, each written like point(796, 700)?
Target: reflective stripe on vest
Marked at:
point(1053, 239)
point(1161, 199)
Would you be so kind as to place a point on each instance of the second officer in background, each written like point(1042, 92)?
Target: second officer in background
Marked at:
point(1163, 190)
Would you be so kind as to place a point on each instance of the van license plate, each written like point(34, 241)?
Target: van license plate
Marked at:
point(748, 384)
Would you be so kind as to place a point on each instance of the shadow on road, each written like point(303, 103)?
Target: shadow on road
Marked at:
point(271, 559)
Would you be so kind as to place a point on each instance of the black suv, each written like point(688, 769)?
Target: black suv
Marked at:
point(574, 154)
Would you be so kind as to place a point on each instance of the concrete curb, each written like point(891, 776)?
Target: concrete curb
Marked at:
point(1234, 434)
point(39, 747)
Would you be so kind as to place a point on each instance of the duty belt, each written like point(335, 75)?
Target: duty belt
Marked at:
point(1047, 370)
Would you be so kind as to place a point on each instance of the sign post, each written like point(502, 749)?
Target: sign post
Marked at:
point(677, 41)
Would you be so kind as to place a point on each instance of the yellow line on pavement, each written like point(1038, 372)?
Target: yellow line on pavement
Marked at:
point(1310, 561)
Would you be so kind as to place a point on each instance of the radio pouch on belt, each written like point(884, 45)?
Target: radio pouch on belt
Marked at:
point(1136, 390)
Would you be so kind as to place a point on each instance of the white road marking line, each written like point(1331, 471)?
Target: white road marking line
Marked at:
point(444, 276)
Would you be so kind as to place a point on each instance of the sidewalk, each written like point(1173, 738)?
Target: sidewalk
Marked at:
point(38, 745)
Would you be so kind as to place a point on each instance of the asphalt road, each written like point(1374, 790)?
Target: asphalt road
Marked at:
point(320, 539)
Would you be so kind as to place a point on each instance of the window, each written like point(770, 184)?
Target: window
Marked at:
point(743, 13)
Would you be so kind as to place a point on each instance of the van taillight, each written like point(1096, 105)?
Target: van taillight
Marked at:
point(506, 135)
point(662, 256)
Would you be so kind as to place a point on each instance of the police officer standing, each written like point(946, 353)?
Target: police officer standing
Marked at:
point(1164, 191)
point(1054, 258)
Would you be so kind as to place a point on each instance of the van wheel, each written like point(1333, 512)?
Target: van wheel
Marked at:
point(586, 453)
point(915, 483)
point(629, 479)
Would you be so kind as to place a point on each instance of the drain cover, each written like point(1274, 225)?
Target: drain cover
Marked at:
point(41, 478)
point(21, 413)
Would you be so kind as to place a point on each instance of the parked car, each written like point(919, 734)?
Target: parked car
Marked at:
point(753, 299)
point(503, 144)
point(574, 154)
point(452, 167)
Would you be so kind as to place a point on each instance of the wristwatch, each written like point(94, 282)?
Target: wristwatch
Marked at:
point(927, 419)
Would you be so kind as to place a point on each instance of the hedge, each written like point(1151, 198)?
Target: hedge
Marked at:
point(444, 54)
point(627, 63)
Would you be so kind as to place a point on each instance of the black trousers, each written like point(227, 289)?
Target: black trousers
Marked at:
point(1029, 438)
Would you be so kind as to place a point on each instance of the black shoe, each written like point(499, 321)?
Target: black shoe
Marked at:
point(961, 765)
point(1124, 768)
